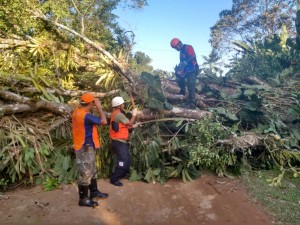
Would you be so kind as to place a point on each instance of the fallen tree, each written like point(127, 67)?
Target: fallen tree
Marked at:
point(52, 72)
point(25, 104)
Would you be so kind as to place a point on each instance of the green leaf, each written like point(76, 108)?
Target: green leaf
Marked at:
point(186, 127)
point(20, 139)
point(66, 163)
point(188, 177)
point(178, 123)
point(156, 171)
point(231, 116)
point(221, 111)
point(148, 175)
point(249, 92)
point(183, 176)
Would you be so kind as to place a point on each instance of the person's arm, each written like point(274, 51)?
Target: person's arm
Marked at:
point(101, 113)
point(191, 55)
point(130, 123)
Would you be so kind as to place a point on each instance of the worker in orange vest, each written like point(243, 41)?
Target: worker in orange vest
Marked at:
point(86, 141)
point(186, 71)
point(119, 134)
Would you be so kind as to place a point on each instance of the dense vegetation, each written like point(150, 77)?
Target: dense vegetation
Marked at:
point(57, 49)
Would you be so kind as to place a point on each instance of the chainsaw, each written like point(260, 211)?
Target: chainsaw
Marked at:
point(180, 70)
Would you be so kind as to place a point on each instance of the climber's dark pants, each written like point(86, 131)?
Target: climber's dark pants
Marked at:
point(123, 160)
point(190, 80)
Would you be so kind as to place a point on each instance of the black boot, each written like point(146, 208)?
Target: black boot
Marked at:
point(83, 197)
point(95, 193)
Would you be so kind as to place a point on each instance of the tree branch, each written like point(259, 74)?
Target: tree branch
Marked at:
point(121, 71)
point(30, 105)
point(72, 93)
point(148, 114)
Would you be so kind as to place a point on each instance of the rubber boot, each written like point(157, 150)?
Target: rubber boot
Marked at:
point(83, 197)
point(95, 193)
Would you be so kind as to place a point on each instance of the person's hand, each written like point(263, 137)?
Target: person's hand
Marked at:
point(179, 70)
point(97, 103)
point(184, 63)
point(137, 125)
point(134, 112)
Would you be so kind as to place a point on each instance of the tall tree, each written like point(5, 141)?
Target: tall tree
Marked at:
point(140, 62)
point(252, 19)
point(297, 23)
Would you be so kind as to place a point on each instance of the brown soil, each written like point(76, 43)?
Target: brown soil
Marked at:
point(207, 200)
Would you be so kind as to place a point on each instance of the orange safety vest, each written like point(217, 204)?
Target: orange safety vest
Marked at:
point(123, 129)
point(78, 129)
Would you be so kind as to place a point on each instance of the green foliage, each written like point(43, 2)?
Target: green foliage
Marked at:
point(153, 95)
point(104, 157)
point(3, 183)
point(225, 113)
point(204, 152)
point(282, 157)
point(62, 57)
point(282, 201)
point(63, 166)
point(50, 184)
point(212, 66)
point(27, 151)
point(252, 20)
point(140, 62)
point(20, 143)
point(157, 156)
point(109, 79)
point(268, 60)
point(41, 55)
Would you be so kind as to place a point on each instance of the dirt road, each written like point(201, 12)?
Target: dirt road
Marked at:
point(206, 201)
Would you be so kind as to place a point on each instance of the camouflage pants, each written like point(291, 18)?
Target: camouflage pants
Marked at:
point(86, 165)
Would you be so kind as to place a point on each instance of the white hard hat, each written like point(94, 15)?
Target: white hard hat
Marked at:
point(116, 101)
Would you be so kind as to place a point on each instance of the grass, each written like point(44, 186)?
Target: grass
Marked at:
point(282, 201)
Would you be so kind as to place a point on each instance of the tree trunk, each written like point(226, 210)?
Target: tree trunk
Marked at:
point(148, 114)
point(72, 93)
point(25, 104)
point(297, 24)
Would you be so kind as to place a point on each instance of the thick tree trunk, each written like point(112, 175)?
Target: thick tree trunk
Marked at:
point(297, 24)
point(172, 90)
point(70, 92)
point(14, 108)
point(148, 114)
point(25, 104)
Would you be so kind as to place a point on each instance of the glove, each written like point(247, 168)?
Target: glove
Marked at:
point(134, 111)
point(183, 64)
point(179, 70)
point(137, 125)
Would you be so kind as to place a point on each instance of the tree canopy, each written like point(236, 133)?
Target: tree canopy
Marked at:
point(252, 19)
point(62, 39)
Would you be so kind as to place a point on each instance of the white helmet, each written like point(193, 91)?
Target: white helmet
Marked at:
point(116, 101)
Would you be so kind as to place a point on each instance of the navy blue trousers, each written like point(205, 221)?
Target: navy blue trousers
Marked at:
point(122, 152)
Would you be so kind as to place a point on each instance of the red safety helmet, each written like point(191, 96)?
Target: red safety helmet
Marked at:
point(87, 98)
point(174, 42)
